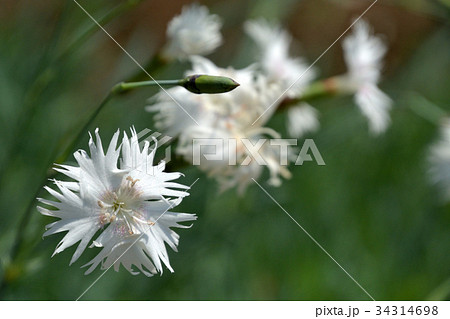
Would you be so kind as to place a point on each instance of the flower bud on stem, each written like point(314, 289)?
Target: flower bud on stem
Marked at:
point(198, 84)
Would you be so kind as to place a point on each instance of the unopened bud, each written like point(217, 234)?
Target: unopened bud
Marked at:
point(209, 84)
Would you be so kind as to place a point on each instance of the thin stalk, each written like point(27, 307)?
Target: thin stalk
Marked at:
point(425, 109)
point(126, 86)
point(315, 90)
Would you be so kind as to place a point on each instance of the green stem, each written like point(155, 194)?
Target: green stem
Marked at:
point(126, 86)
point(315, 90)
point(425, 109)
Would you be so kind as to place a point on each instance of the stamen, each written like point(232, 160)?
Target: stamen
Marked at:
point(105, 218)
point(132, 181)
point(140, 220)
point(130, 231)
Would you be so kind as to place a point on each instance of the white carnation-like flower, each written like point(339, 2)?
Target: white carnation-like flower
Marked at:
point(273, 42)
point(363, 55)
point(302, 118)
point(439, 159)
point(129, 203)
point(193, 32)
point(238, 154)
point(224, 117)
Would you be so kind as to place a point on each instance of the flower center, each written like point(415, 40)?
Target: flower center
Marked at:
point(122, 208)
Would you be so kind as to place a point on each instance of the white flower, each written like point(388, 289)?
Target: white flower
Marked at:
point(302, 119)
point(439, 159)
point(237, 159)
point(224, 118)
point(129, 203)
point(273, 42)
point(193, 32)
point(363, 55)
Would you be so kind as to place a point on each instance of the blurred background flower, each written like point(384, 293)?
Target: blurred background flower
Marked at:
point(372, 206)
point(193, 32)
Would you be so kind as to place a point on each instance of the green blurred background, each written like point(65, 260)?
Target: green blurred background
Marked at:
point(371, 206)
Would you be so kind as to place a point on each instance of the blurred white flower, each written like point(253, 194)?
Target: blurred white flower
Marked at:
point(193, 32)
point(439, 159)
point(223, 117)
point(375, 105)
point(235, 165)
point(129, 203)
point(363, 55)
point(302, 119)
point(273, 42)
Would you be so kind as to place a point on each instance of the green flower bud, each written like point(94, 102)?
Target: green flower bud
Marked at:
point(209, 84)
